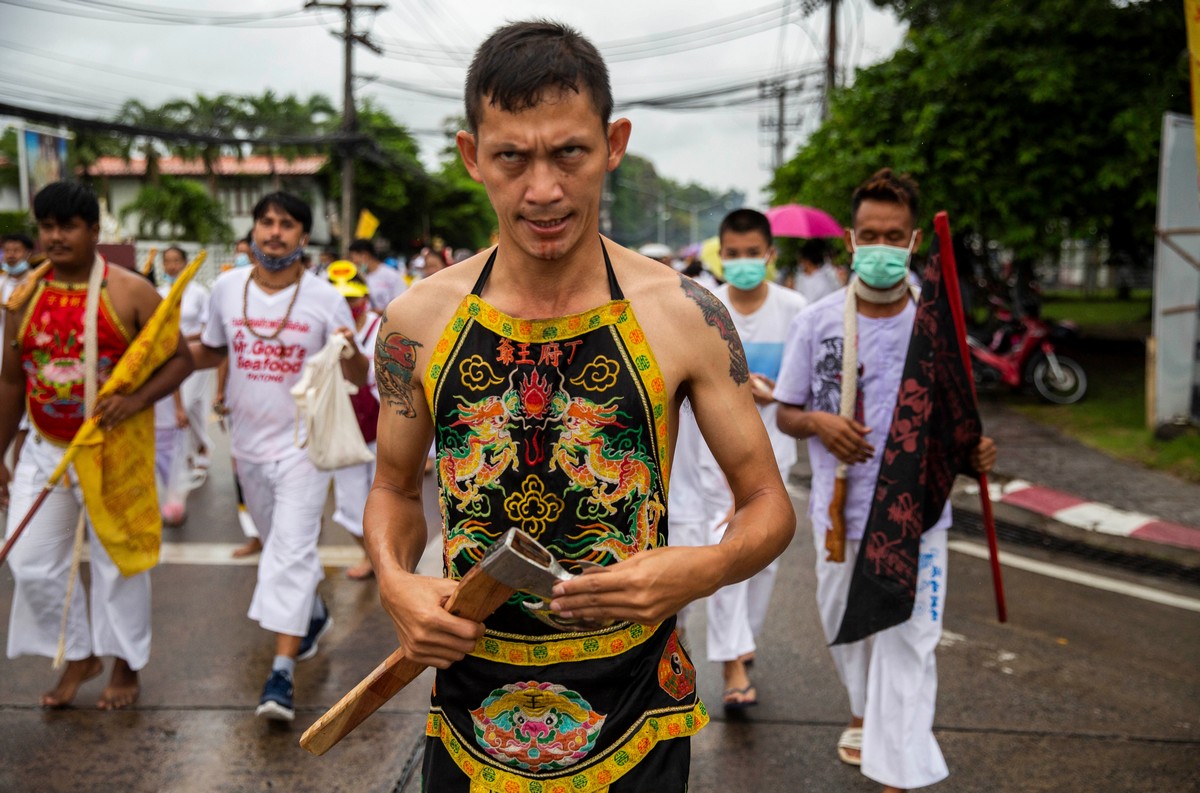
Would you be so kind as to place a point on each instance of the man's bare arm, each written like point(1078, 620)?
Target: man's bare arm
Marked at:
point(394, 527)
point(206, 357)
point(844, 438)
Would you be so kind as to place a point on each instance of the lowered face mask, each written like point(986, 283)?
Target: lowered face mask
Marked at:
point(15, 269)
point(276, 263)
point(745, 273)
point(881, 266)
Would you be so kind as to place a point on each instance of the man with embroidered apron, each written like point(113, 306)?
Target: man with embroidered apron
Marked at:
point(838, 385)
point(550, 370)
point(268, 319)
point(46, 372)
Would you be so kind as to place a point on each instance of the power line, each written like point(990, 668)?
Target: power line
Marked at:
point(87, 10)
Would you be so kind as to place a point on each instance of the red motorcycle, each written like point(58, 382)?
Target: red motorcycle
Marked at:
point(1020, 350)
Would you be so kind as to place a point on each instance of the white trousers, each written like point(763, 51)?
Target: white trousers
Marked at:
point(197, 401)
point(736, 613)
point(350, 489)
point(118, 620)
point(891, 677)
point(286, 499)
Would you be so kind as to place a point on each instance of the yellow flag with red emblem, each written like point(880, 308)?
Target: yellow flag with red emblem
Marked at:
point(116, 467)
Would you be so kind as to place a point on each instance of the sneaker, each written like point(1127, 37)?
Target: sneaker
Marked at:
point(316, 629)
point(276, 700)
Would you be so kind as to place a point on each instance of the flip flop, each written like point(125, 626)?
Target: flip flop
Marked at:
point(749, 699)
point(851, 738)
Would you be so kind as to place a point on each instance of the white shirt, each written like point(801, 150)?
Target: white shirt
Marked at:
point(365, 339)
point(815, 285)
point(261, 372)
point(385, 284)
point(811, 377)
point(193, 315)
point(763, 334)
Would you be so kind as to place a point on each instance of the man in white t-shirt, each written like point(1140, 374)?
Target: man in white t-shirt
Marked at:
point(15, 269)
point(384, 282)
point(268, 319)
point(890, 677)
point(762, 312)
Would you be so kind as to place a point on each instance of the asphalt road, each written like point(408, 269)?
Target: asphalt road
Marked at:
point(1083, 689)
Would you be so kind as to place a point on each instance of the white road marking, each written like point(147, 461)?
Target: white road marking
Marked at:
point(1103, 518)
point(1079, 577)
point(221, 553)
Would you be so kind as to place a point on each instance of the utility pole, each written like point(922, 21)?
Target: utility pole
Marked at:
point(830, 60)
point(349, 113)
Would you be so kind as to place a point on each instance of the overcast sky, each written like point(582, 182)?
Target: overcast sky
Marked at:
point(51, 56)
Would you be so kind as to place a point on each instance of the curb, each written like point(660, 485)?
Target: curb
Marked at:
point(1071, 518)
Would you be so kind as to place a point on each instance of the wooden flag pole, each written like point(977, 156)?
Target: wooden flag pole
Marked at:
point(941, 225)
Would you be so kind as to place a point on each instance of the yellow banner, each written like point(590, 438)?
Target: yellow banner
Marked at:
point(1191, 9)
point(367, 225)
point(116, 467)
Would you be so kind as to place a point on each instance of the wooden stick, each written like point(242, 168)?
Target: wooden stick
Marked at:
point(941, 224)
point(149, 265)
point(835, 535)
point(16, 535)
point(475, 598)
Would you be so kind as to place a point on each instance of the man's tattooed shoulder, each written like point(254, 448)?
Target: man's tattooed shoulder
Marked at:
point(717, 315)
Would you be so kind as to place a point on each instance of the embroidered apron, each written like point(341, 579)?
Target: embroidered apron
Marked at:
point(558, 427)
point(51, 335)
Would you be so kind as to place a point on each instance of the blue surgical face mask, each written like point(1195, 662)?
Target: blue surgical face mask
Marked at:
point(273, 263)
point(881, 266)
point(15, 269)
point(241, 260)
point(168, 279)
point(745, 273)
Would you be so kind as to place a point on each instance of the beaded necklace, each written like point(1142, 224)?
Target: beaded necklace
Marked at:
point(286, 315)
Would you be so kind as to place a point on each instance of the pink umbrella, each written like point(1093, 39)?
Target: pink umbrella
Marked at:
point(796, 220)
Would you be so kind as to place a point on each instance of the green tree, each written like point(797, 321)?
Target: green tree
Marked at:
point(264, 117)
point(183, 208)
point(460, 212)
point(1028, 120)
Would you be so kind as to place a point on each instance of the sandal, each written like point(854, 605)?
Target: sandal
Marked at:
point(746, 698)
point(851, 739)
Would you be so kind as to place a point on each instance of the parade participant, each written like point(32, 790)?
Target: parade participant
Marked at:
point(762, 312)
point(14, 269)
point(384, 282)
point(47, 373)
point(351, 485)
point(268, 319)
point(551, 369)
point(816, 276)
point(181, 420)
point(891, 678)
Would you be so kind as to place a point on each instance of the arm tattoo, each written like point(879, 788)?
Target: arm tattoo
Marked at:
point(716, 315)
point(395, 365)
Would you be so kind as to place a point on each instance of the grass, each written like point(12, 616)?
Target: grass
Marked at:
point(1101, 315)
point(1112, 417)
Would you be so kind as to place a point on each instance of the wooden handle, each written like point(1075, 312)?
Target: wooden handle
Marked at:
point(835, 535)
point(475, 598)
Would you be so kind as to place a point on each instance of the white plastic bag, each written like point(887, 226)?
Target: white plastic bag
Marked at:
point(323, 407)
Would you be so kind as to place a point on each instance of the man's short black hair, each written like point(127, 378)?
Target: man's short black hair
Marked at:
point(364, 246)
point(285, 202)
point(66, 200)
point(515, 66)
point(18, 237)
point(740, 221)
point(814, 250)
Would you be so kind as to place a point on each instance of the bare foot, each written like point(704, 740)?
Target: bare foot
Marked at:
point(76, 674)
point(252, 546)
point(122, 689)
point(361, 571)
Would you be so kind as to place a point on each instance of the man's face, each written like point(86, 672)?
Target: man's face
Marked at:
point(68, 243)
point(882, 223)
point(277, 233)
point(15, 252)
point(745, 245)
point(544, 170)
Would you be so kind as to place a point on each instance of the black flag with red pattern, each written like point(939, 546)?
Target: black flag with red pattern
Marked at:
point(934, 429)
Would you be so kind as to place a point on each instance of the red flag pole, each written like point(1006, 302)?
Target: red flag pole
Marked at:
point(941, 225)
point(37, 504)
